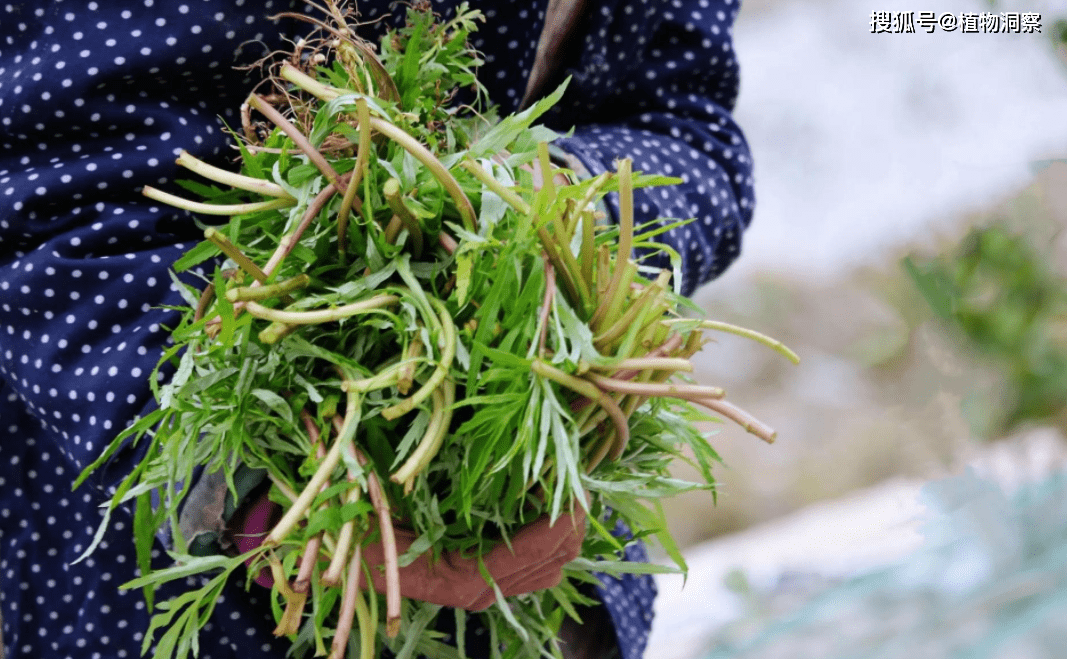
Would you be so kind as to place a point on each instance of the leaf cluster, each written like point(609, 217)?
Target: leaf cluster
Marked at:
point(999, 295)
point(408, 332)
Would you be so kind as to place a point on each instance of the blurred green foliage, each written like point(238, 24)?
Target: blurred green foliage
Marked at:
point(1059, 31)
point(1001, 298)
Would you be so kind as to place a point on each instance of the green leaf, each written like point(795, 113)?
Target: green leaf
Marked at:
point(275, 403)
point(197, 385)
point(177, 381)
point(197, 255)
point(621, 568)
point(464, 268)
point(936, 288)
point(97, 537)
point(186, 566)
point(144, 540)
point(504, 133)
point(421, 545)
point(137, 429)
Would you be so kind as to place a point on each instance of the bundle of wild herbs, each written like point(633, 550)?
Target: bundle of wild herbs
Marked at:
point(401, 329)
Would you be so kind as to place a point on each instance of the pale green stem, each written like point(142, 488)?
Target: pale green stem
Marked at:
point(372, 627)
point(234, 180)
point(278, 330)
point(742, 418)
point(443, 399)
point(561, 225)
point(686, 391)
point(298, 138)
point(596, 186)
point(357, 175)
point(255, 294)
point(238, 257)
point(406, 378)
point(332, 575)
point(447, 345)
point(624, 323)
point(548, 183)
point(593, 393)
point(612, 300)
point(626, 234)
point(309, 84)
point(498, 188)
point(603, 273)
point(587, 252)
point(284, 488)
point(546, 306)
point(773, 344)
point(215, 209)
point(666, 347)
point(275, 332)
point(333, 457)
point(291, 494)
point(444, 177)
point(385, 378)
point(320, 315)
point(646, 363)
point(578, 296)
point(392, 230)
point(391, 191)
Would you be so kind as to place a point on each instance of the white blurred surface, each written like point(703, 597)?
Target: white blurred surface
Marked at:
point(865, 142)
point(834, 539)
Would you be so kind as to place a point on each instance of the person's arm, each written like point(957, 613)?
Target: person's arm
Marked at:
point(97, 99)
point(656, 82)
point(101, 101)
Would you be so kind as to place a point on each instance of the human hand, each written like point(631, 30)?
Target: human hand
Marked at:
point(534, 561)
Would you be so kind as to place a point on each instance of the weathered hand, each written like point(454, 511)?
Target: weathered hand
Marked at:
point(534, 561)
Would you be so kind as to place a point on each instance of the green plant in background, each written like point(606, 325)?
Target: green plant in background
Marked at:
point(999, 296)
point(1059, 33)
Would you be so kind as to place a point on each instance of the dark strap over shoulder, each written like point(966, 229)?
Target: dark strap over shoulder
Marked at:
point(563, 21)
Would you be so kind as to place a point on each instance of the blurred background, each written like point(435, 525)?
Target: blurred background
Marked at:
point(908, 244)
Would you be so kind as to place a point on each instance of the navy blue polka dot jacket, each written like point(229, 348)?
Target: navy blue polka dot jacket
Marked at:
point(96, 98)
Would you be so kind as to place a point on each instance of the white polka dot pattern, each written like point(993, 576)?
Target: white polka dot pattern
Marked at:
point(97, 98)
point(655, 81)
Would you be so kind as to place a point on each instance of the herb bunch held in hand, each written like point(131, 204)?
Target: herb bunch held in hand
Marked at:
point(405, 338)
